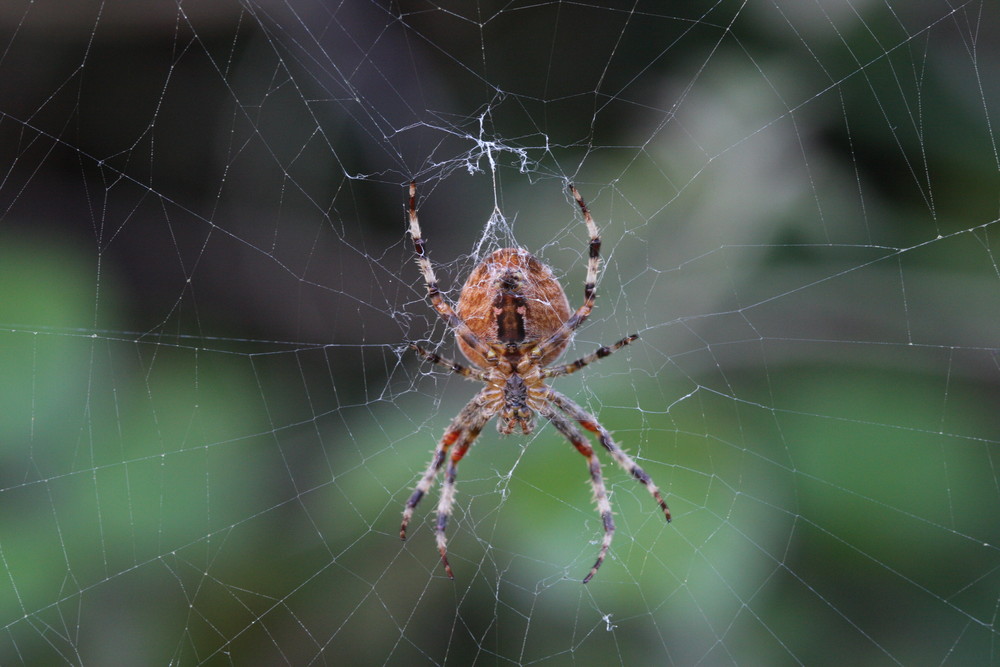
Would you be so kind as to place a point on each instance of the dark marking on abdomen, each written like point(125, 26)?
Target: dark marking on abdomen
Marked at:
point(509, 309)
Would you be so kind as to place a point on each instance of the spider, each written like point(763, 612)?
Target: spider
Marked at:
point(512, 320)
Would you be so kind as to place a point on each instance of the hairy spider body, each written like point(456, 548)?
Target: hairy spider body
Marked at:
point(512, 320)
point(510, 298)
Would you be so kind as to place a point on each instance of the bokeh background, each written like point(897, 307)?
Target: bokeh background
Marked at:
point(210, 420)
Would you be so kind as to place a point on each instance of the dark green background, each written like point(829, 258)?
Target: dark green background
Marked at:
point(210, 420)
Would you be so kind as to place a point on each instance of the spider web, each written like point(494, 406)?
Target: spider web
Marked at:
point(211, 419)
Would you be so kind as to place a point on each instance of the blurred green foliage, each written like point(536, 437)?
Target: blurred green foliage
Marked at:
point(210, 422)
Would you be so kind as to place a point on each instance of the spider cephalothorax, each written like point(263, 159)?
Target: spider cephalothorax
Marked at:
point(512, 320)
point(518, 409)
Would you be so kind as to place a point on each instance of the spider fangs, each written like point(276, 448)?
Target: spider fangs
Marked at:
point(511, 321)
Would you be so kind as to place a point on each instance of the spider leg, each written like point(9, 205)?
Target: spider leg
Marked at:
point(440, 304)
point(454, 367)
point(596, 481)
point(589, 285)
point(589, 422)
point(458, 426)
point(599, 353)
point(448, 496)
point(425, 483)
point(462, 431)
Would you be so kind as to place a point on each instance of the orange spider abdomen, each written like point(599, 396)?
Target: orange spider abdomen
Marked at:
point(510, 299)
